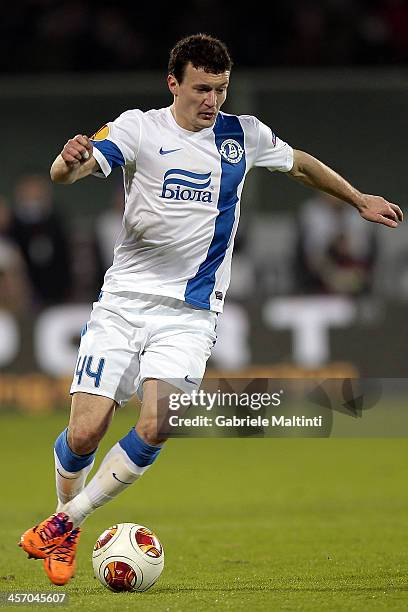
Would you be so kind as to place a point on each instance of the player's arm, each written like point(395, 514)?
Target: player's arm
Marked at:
point(74, 162)
point(314, 173)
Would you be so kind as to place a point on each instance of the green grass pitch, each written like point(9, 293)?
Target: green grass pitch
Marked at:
point(247, 524)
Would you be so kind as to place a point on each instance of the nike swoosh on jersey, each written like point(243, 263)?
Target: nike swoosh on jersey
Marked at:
point(166, 151)
point(187, 379)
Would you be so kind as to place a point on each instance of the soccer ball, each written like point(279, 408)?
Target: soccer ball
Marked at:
point(128, 557)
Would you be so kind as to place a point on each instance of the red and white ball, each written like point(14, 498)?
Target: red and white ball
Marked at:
point(128, 557)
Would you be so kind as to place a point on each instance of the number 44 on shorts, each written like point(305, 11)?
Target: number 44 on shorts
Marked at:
point(84, 365)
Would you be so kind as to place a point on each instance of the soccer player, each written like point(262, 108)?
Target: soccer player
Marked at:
point(184, 168)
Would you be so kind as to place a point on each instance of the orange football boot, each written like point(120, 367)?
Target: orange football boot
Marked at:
point(60, 564)
point(40, 541)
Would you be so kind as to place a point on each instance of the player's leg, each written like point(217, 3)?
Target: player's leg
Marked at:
point(118, 372)
point(154, 411)
point(75, 447)
point(176, 345)
point(74, 452)
point(108, 363)
point(126, 461)
point(90, 418)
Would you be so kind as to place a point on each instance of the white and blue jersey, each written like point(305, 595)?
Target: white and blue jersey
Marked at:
point(182, 200)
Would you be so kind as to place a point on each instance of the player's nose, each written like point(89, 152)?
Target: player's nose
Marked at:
point(210, 99)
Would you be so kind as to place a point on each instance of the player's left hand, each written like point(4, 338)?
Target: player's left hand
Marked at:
point(378, 210)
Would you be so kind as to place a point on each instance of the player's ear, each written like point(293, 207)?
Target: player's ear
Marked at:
point(172, 84)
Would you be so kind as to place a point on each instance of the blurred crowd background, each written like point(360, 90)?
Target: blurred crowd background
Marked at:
point(105, 35)
point(327, 82)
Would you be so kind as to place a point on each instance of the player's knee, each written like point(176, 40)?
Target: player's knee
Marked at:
point(148, 431)
point(82, 441)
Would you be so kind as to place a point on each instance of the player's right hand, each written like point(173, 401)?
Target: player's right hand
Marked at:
point(77, 150)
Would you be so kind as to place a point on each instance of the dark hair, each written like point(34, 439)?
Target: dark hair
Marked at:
point(203, 51)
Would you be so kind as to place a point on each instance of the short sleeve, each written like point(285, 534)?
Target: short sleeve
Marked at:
point(117, 142)
point(272, 152)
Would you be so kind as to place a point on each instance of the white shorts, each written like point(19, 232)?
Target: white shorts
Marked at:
point(134, 336)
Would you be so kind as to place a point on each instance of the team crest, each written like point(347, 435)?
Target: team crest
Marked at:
point(101, 134)
point(231, 151)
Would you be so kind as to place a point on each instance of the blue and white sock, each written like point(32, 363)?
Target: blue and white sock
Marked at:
point(71, 470)
point(123, 464)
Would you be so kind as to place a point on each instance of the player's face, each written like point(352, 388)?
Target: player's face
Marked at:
point(198, 98)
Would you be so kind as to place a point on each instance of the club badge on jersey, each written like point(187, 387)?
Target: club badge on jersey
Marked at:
point(231, 151)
